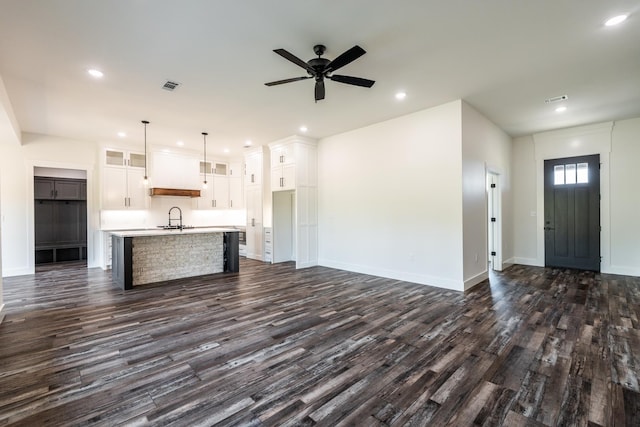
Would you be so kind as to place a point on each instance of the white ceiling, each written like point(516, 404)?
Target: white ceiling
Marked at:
point(503, 57)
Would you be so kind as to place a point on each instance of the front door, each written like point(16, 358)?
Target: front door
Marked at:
point(572, 212)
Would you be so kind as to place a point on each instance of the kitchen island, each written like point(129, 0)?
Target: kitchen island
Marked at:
point(148, 256)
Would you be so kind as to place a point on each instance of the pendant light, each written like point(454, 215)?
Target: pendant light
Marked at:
point(146, 178)
point(204, 136)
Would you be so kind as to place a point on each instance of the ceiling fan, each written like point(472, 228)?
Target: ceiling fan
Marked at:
point(321, 68)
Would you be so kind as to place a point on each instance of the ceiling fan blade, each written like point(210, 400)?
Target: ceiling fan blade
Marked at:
point(352, 80)
point(295, 79)
point(345, 58)
point(319, 90)
point(299, 62)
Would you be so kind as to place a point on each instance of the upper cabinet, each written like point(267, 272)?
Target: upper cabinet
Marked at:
point(283, 177)
point(218, 168)
point(124, 159)
point(283, 154)
point(59, 189)
point(224, 185)
point(122, 180)
point(283, 166)
point(253, 169)
point(236, 195)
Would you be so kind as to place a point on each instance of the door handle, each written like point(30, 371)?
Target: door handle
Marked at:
point(549, 228)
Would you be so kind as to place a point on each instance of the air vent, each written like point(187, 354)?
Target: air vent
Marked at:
point(170, 85)
point(556, 99)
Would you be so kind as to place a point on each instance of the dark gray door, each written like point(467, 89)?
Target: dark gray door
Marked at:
point(572, 212)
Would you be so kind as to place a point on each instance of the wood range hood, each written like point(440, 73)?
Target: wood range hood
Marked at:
point(176, 192)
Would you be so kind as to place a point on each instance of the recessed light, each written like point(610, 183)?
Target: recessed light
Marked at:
point(303, 129)
point(401, 95)
point(561, 109)
point(248, 143)
point(180, 143)
point(122, 134)
point(226, 150)
point(616, 20)
point(95, 73)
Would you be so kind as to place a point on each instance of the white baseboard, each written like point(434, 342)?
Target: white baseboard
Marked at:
point(306, 264)
point(527, 261)
point(473, 281)
point(23, 271)
point(421, 279)
point(622, 270)
point(508, 263)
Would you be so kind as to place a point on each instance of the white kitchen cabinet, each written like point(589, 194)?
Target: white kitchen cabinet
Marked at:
point(205, 201)
point(219, 168)
point(236, 195)
point(220, 192)
point(268, 245)
point(216, 195)
point(283, 154)
point(283, 166)
point(106, 248)
point(253, 171)
point(254, 227)
point(224, 186)
point(257, 193)
point(123, 181)
point(283, 177)
point(124, 159)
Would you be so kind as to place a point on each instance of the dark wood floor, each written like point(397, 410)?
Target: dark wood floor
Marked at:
point(276, 346)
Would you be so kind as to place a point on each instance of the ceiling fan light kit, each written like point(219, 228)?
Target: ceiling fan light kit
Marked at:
point(320, 68)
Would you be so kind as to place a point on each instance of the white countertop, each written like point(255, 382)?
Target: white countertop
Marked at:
point(163, 232)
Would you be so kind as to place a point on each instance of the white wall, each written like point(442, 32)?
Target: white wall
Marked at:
point(485, 147)
point(9, 140)
point(523, 163)
point(625, 197)
point(14, 210)
point(390, 198)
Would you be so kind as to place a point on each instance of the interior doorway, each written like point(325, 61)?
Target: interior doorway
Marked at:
point(60, 215)
point(494, 224)
point(572, 212)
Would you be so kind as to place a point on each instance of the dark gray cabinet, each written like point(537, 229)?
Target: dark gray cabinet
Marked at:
point(59, 189)
point(60, 215)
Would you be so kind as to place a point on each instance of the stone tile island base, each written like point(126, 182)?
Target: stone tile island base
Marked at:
point(156, 257)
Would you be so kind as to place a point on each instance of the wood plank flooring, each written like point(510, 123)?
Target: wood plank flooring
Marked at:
point(275, 346)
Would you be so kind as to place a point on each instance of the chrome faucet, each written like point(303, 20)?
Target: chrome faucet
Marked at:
point(173, 219)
